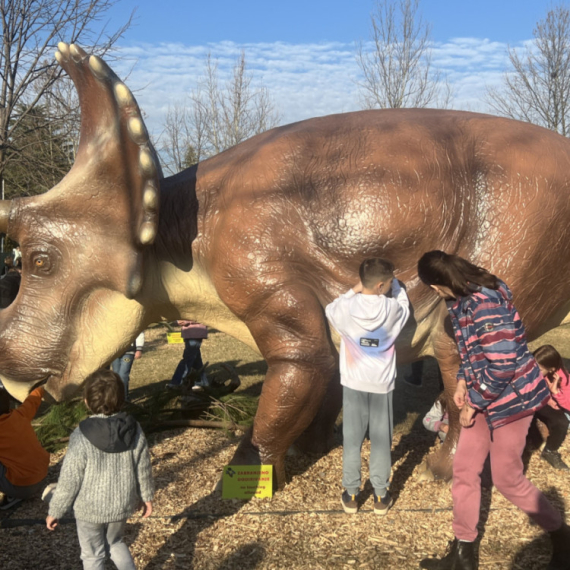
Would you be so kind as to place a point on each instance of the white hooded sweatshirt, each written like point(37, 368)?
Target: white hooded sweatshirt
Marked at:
point(368, 326)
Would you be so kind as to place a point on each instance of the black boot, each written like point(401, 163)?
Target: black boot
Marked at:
point(553, 457)
point(560, 549)
point(460, 556)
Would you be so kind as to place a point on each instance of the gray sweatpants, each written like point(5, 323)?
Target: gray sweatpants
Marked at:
point(373, 412)
point(99, 540)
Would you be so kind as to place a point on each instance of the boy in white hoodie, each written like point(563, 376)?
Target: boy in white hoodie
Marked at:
point(368, 322)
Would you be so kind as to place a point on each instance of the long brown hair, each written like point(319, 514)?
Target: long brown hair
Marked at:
point(440, 268)
point(548, 357)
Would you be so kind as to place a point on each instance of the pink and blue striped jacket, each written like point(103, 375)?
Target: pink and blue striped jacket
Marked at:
point(503, 378)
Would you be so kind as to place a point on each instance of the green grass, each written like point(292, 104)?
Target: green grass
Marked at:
point(153, 403)
point(58, 423)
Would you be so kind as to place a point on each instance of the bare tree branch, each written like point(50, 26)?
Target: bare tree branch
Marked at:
point(29, 75)
point(398, 70)
point(537, 88)
point(215, 118)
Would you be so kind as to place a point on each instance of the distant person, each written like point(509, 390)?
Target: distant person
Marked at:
point(122, 365)
point(414, 377)
point(16, 254)
point(554, 415)
point(10, 285)
point(437, 419)
point(368, 322)
point(23, 461)
point(106, 473)
point(193, 333)
point(8, 264)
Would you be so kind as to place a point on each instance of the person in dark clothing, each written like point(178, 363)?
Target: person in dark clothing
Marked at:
point(8, 264)
point(9, 287)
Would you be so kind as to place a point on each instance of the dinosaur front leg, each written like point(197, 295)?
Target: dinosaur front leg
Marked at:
point(292, 336)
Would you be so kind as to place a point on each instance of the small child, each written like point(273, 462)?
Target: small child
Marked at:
point(105, 474)
point(437, 419)
point(369, 322)
point(554, 415)
point(23, 461)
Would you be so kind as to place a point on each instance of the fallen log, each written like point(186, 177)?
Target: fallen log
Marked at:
point(169, 424)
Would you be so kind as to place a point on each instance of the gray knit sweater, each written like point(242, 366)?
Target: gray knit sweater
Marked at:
point(103, 486)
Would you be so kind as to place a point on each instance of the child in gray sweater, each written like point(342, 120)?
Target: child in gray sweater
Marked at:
point(105, 475)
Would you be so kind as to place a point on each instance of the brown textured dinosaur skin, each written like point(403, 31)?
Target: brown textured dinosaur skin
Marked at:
point(256, 240)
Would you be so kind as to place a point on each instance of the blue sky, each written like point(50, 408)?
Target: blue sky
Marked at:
point(303, 51)
point(307, 21)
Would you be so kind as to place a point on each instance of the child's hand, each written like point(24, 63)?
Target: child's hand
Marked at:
point(444, 428)
point(146, 509)
point(466, 416)
point(554, 384)
point(460, 394)
point(51, 523)
point(358, 288)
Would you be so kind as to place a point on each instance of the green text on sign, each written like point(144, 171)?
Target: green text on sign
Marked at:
point(247, 481)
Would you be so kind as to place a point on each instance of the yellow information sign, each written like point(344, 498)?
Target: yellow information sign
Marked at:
point(174, 338)
point(247, 481)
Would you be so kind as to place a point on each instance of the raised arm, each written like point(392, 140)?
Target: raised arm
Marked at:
point(31, 404)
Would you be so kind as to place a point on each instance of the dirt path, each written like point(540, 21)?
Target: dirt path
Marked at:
point(302, 526)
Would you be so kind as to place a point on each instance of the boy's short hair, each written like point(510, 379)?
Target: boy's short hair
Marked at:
point(375, 270)
point(104, 392)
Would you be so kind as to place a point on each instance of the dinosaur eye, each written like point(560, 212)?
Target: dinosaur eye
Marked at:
point(41, 263)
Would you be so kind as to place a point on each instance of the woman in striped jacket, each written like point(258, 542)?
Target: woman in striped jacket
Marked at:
point(499, 387)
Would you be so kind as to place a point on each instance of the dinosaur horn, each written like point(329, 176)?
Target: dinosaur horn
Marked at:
point(4, 215)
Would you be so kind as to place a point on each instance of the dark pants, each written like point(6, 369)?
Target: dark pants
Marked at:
point(191, 359)
point(557, 424)
point(17, 491)
point(122, 366)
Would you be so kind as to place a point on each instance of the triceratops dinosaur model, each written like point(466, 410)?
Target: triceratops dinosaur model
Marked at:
point(256, 240)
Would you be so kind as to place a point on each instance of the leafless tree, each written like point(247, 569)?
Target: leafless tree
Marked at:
point(537, 88)
point(398, 70)
point(31, 30)
point(216, 117)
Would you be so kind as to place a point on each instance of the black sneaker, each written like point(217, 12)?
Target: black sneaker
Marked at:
point(553, 457)
point(9, 502)
point(381, 505)
point(349, 503)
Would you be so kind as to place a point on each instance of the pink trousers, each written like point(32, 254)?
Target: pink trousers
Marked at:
point(506, 451)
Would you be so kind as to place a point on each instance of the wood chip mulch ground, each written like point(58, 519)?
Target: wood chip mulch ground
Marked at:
point(301, 527)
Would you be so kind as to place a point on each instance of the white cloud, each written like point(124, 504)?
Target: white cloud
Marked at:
point(305, 80)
